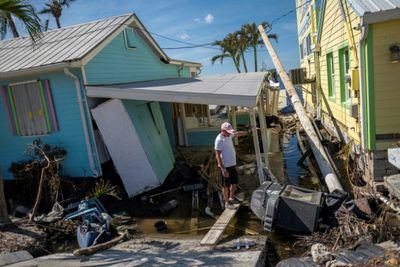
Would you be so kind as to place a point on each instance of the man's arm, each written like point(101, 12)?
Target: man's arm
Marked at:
point(241, 133)
point(225, 173)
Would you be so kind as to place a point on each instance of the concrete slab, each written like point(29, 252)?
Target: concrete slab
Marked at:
point(393, 184)
point(14, 257)
point(159, 251)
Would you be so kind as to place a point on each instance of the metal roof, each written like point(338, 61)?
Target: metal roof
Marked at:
point(69, 44)
point(374, 11)
point(56, 46)
point(239, 89)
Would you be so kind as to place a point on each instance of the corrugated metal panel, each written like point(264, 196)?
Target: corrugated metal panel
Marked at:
point(365, 7)
point(57, 46)
point(226, 89)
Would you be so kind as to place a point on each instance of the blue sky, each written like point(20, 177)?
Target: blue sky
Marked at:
point(198, 22)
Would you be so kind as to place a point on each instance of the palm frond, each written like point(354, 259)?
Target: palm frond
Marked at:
point(23, 12)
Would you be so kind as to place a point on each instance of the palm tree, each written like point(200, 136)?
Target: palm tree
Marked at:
point(229, 48)
point(254, 37)
point(55, 8)
point(19, 9)
point(242, 43)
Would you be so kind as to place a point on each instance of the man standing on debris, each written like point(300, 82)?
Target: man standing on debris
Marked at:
point(226, 158)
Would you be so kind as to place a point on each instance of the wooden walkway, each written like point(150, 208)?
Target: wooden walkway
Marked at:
point(218, 228)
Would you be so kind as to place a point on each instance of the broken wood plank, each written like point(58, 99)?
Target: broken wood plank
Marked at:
point(219, 227)
point(102, 246)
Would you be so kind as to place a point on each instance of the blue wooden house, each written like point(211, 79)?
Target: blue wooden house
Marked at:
point(43, 95)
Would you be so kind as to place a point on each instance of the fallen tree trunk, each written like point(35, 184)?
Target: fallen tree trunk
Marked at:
point(93, 249)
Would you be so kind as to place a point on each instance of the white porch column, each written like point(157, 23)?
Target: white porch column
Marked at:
point(256, 145)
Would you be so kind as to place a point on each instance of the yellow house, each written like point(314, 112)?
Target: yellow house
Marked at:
point(350, 55)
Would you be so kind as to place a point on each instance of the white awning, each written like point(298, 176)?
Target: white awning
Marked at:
point(239, 89)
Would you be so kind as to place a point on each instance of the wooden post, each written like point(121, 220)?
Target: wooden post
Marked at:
point(183, 118)
point(208, 116)
point(234, 121)
point(276, 102)
point(330, 177)
point(256, 145)
point(263, 128)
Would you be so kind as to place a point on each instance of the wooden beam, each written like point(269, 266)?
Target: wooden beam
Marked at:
point(256, 145)
point(330, 177)
point(263, 128)
point(234, 121)
point(216, 231)
point(183, 118)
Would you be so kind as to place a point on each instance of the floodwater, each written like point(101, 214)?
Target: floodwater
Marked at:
point(181, 222)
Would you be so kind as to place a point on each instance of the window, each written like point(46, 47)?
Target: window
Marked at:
point(331, 75)
point(129, 37)
point(30, 108)
point(344, 62)
point(305, 47)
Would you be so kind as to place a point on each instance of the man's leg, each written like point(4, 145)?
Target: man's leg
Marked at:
point(225, 181)
point(232, 191)
point(233, 177)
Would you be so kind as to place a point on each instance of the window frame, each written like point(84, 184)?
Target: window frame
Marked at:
point(330, 67)
point(344, 70)
point(15, 109)
point(128, 45)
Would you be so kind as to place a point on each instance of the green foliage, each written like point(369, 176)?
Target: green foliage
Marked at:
point(105, 188)
point(55, 8)
point(234, 45)
point(24, 12)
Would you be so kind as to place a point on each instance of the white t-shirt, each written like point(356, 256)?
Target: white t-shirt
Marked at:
point(228, 153)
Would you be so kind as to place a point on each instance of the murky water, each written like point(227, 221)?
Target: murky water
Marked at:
point(291, 155)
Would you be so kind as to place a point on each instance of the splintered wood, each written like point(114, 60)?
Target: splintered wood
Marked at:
point(219, 227)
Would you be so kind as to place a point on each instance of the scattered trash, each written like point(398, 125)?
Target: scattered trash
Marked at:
point(21, 211)
point(161, 226)
point(245, 243)
point(192, 187)
point(95, 227)
point(170, 205)
point(54, 215)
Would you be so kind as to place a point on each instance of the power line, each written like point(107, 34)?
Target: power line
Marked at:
point(189, 45)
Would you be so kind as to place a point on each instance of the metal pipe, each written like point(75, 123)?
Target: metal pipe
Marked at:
point(84, 121)
point(330, 177)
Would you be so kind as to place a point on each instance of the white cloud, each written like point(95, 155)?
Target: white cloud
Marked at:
point(209, 19)
point(184, 36)
point(197, 20)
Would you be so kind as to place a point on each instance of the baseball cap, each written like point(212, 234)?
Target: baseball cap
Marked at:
point(226, 126)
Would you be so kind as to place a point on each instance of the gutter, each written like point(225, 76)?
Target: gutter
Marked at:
point(41, 69)
point(84, 121)
point(361, 56)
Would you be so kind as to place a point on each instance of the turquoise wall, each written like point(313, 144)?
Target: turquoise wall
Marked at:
point(202, 137)
point(116, 64)
point(70, 134)
point(149, 124)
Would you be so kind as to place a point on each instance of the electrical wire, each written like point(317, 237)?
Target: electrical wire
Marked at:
point(189, 45)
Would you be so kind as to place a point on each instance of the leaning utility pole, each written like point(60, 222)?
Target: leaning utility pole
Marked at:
point(330, 177)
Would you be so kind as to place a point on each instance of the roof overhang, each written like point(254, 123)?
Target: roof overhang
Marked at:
point(226, 89)
point(371, 18)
